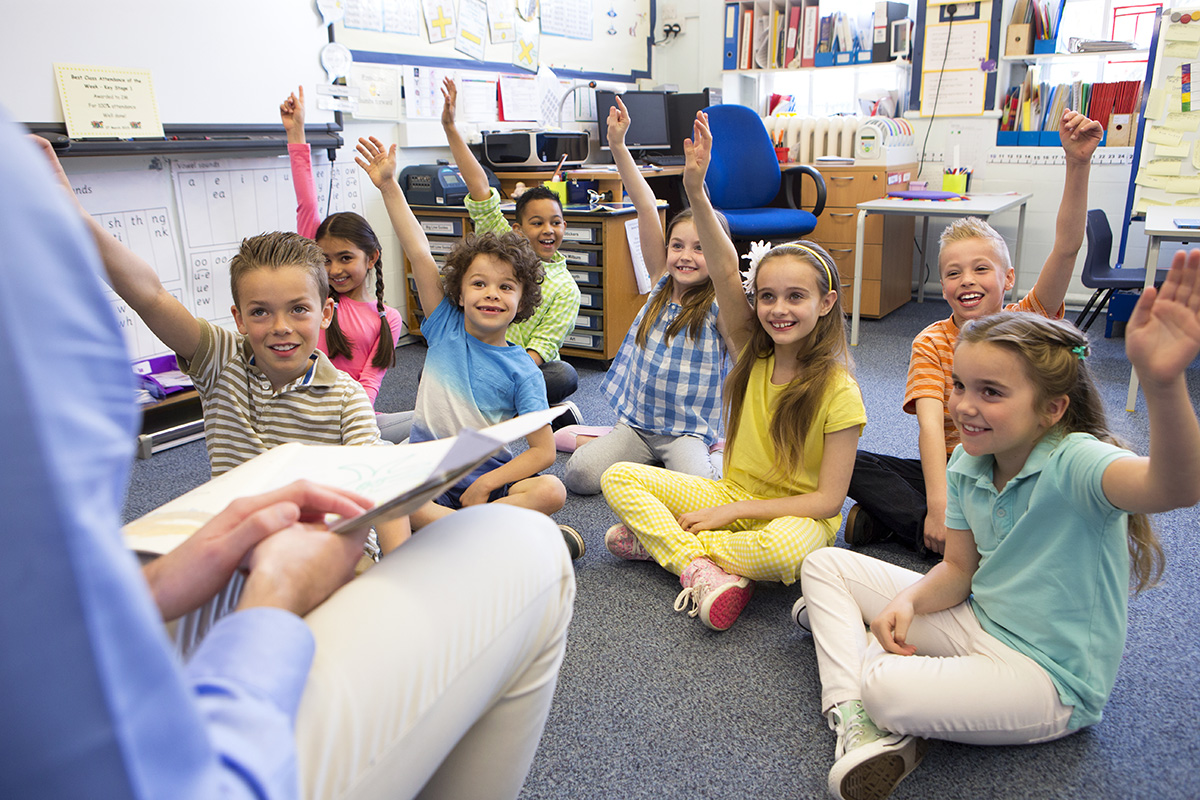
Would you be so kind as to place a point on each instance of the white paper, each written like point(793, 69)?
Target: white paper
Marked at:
point(570, 18)
point(518, 98)
point(477, 101)
point(422, 91)
point(633, 239)
point(378, 91)
point(502, 17)
point(525, 53)
point(439, 20)
point(364, 15)
point(472, 28)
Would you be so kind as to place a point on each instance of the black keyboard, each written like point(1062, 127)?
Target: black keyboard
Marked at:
point(665, 161)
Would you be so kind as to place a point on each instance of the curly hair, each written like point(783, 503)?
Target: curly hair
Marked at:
point(275, 250)
point(510, 247)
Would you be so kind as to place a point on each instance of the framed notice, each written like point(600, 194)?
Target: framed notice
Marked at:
point(108, 102)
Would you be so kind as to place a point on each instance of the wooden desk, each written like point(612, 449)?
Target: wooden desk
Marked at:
point(607, 179)
point(598, 257)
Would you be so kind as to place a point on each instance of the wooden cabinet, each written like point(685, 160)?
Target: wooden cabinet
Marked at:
point(888, 243)
point(598, 258)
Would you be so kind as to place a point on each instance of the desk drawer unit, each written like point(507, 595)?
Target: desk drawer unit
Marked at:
point(887, 255)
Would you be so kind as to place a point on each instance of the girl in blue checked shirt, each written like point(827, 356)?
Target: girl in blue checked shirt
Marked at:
point(665, 381)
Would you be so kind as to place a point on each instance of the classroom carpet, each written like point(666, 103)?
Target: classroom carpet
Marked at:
point(651, 704)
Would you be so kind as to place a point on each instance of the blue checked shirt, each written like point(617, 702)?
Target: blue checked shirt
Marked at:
point(670, 388)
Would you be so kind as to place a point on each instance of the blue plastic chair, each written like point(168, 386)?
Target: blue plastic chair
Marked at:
point(744, 179)
point(1099, 274)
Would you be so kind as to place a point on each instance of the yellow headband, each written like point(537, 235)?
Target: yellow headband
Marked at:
point(804, 246)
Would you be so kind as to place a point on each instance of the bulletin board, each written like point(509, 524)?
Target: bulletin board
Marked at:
point(955, 58)
point(585, 39)
point(1167, 154)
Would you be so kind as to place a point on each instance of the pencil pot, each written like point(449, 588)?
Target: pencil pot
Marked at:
point(955, 182)
point(781, 153)
point(559, 188)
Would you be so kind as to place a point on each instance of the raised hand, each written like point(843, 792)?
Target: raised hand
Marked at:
point(379, 163)
point(1080, 135)
point(697, 152)
point(1162, 336)
point(291, 112)
point(618, 123)
point(449, 101)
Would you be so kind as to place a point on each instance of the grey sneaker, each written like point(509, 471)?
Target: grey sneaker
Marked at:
point(574, 541)
point(870, 762)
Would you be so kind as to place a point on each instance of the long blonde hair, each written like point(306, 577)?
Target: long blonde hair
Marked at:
point(1053, 354)
point(824, 354)
point(695, 301)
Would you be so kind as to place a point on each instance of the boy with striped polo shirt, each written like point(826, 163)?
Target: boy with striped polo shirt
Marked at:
point(904, 498)
point(267, 384)
point(540, 220)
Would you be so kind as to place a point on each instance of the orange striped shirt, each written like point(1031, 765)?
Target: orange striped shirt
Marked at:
point(932, 361)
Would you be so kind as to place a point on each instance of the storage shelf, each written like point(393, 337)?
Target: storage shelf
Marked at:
point(1033, 57)
point(788, 70)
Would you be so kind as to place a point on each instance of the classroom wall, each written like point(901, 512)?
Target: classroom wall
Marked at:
point(694, 61)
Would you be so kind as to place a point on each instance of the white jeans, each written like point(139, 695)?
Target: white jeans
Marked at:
point(963, 684)
point(435, 669)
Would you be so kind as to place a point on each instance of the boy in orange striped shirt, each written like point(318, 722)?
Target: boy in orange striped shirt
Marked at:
point(903, 498)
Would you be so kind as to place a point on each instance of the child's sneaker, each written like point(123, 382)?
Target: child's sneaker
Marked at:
point(574, 540)
point(870, 762)
point(861, 529)
point(622, 543)
point(571, 416)
point(566, 439)
point(800, 614)
point(717, 596)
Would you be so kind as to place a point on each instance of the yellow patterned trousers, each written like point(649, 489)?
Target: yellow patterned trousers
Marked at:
point(650, 500)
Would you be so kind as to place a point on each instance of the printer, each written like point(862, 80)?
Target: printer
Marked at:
point(437, 184)
point(534, 150)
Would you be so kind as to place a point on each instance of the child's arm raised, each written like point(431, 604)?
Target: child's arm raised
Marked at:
point(291, 113)
point(134, 280)
point(1080, 136)
point(1162, 338)
point(468, 166)
point(650, 231)
point(719, 252)
point(380, 166)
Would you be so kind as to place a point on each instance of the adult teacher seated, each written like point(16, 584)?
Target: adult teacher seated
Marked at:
point(398, 682)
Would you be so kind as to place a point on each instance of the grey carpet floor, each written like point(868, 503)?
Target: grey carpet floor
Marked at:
point(651, 704)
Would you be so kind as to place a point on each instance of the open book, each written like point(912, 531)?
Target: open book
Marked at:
point(400, 479)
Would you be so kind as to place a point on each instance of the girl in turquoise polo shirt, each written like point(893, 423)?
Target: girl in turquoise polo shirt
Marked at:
point(1017, 635)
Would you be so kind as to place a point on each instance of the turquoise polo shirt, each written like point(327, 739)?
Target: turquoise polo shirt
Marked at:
point(1053, 576)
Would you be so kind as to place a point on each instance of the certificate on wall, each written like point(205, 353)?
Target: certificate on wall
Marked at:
point(108, 102)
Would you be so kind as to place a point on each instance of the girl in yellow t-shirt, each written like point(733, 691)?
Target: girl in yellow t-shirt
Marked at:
point(795, 415)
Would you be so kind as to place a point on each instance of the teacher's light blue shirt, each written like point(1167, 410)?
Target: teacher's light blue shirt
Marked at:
point(92, 701)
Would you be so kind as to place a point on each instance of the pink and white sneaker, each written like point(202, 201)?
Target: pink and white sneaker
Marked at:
point(622, 543)
point(717, 596)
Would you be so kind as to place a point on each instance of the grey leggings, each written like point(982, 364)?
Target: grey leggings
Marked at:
point(687, 454)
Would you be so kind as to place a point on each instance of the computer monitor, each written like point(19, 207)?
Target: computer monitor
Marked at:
point(648, 126)
point(681, 111)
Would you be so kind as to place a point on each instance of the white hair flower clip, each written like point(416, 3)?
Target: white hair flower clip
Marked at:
point(757, 251)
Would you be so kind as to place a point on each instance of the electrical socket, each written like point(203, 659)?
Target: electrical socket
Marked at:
point(668, 13)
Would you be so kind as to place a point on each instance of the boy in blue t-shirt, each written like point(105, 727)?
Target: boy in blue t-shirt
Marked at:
point(473, 376)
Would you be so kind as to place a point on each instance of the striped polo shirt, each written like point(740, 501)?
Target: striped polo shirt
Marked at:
point(932, 363)
point(245, 416)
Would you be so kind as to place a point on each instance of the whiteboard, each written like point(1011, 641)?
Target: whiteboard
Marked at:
point(215, 62)
point(186, 218)
point(600, 39)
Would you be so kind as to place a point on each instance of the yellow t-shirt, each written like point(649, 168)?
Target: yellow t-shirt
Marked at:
point(751, 464)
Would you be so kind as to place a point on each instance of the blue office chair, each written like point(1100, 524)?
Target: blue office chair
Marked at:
point(744, 179)
point(1098, 272)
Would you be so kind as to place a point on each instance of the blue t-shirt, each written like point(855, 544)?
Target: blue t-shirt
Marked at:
point(470, 384)
point(1053, 576)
